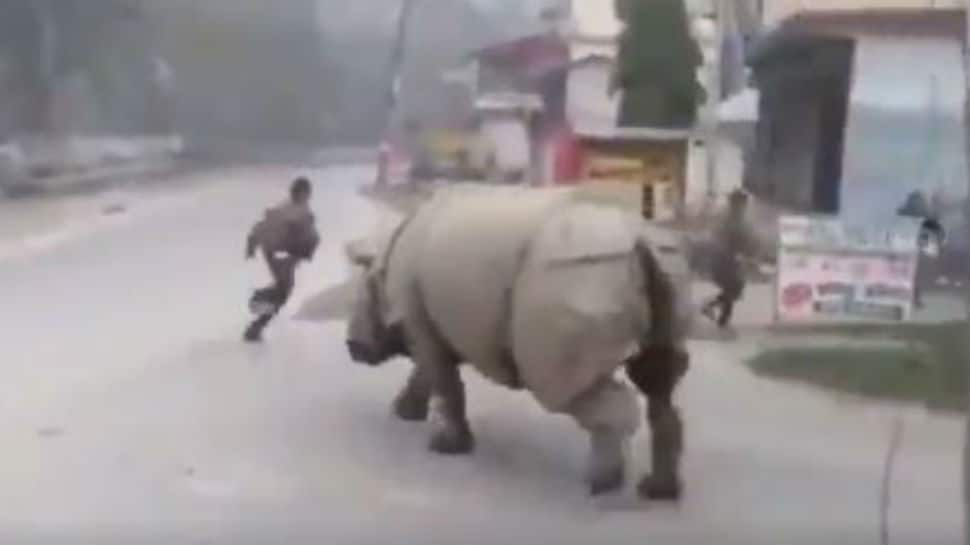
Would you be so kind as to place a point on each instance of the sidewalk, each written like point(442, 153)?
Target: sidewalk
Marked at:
point(33, 165)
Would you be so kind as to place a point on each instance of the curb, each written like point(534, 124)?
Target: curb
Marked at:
point(97, 179)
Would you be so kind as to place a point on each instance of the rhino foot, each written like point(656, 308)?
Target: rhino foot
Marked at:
point(452, 442)
point(409, 409)
point(658, 488)
point(607, 482)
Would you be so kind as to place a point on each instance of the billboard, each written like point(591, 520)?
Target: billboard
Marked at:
point(828, 271)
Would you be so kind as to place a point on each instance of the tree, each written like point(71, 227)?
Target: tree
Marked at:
point(45, 41)
point(657, 65)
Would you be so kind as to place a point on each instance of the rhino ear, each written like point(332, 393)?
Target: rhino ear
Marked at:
point(359, 254)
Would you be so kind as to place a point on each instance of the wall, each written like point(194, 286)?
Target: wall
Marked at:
point(595, 18)
point(587, 102)
point(905, 127)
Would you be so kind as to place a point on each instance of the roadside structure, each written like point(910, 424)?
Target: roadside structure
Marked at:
point(858, 108)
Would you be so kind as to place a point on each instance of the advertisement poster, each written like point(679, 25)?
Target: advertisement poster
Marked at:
point(830, 272)
point(613, 168)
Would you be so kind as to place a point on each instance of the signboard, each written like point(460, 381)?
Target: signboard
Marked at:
point(613, 168)
point(828, 271)
point(653, 171)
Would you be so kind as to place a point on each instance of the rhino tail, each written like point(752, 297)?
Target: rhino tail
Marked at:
point(660, 296)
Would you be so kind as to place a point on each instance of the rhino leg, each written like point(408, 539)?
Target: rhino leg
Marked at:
point(608, 411)
point(451, 433)
point(411, 404)
point(663, 482)
point(656, 373)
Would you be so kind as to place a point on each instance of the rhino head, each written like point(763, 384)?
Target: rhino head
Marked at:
point(370, 339)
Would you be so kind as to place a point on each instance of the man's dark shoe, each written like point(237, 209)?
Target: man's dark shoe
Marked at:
point(253, 334)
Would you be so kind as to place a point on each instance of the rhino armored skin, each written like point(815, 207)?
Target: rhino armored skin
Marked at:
point(538, 292)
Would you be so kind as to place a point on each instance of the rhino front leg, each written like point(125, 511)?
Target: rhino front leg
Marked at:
point(411, 404)
point(609, 412)
point(656, 373)
point(451, 433)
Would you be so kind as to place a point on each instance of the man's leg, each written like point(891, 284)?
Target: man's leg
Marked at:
point(730, 296)
point(282, 270)
point(727, 311)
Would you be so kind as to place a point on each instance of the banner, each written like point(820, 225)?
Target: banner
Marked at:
point(614, 168)
point(828, 271)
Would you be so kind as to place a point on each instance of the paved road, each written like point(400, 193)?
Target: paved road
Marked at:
point(132, 414)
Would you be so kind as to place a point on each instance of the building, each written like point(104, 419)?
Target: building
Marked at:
point(859, 108)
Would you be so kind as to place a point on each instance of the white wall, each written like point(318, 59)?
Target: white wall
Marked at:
point(595, 18)
point(587, 103)
point(905, 126)
point(729, 170)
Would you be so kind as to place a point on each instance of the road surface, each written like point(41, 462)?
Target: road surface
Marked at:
point(131, 413)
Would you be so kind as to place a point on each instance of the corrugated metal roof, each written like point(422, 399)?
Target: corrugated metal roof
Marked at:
point(633, 133)
point(895, 21)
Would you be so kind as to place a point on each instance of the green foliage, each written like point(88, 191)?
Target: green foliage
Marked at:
point(658, 61)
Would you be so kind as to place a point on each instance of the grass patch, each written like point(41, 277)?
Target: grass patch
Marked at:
point(930, 367)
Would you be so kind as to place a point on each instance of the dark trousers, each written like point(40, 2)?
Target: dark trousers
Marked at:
point(729, 278)
point(283, 270)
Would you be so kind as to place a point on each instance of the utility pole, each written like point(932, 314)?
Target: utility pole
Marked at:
point(713, 101)
point(966, 132)
point(394, 71)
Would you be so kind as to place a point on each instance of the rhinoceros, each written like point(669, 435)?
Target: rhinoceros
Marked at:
point(541, 292)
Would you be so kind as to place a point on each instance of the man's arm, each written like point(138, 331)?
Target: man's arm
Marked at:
point(253, 238)
point(251, 243)
point(313, 237)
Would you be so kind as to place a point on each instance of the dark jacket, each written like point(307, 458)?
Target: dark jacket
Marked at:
point(288, 227)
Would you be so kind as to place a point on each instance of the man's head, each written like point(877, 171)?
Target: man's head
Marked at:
point(300, 190)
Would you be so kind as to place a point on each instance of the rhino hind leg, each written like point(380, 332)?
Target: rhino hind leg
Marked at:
point(609, 412)
point(656, 373)
point(663, 482)
point(411, 404)
point(607, 468)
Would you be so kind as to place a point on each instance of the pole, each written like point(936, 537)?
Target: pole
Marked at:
point(713, 101)
point(394, 71)
point(966, 122)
